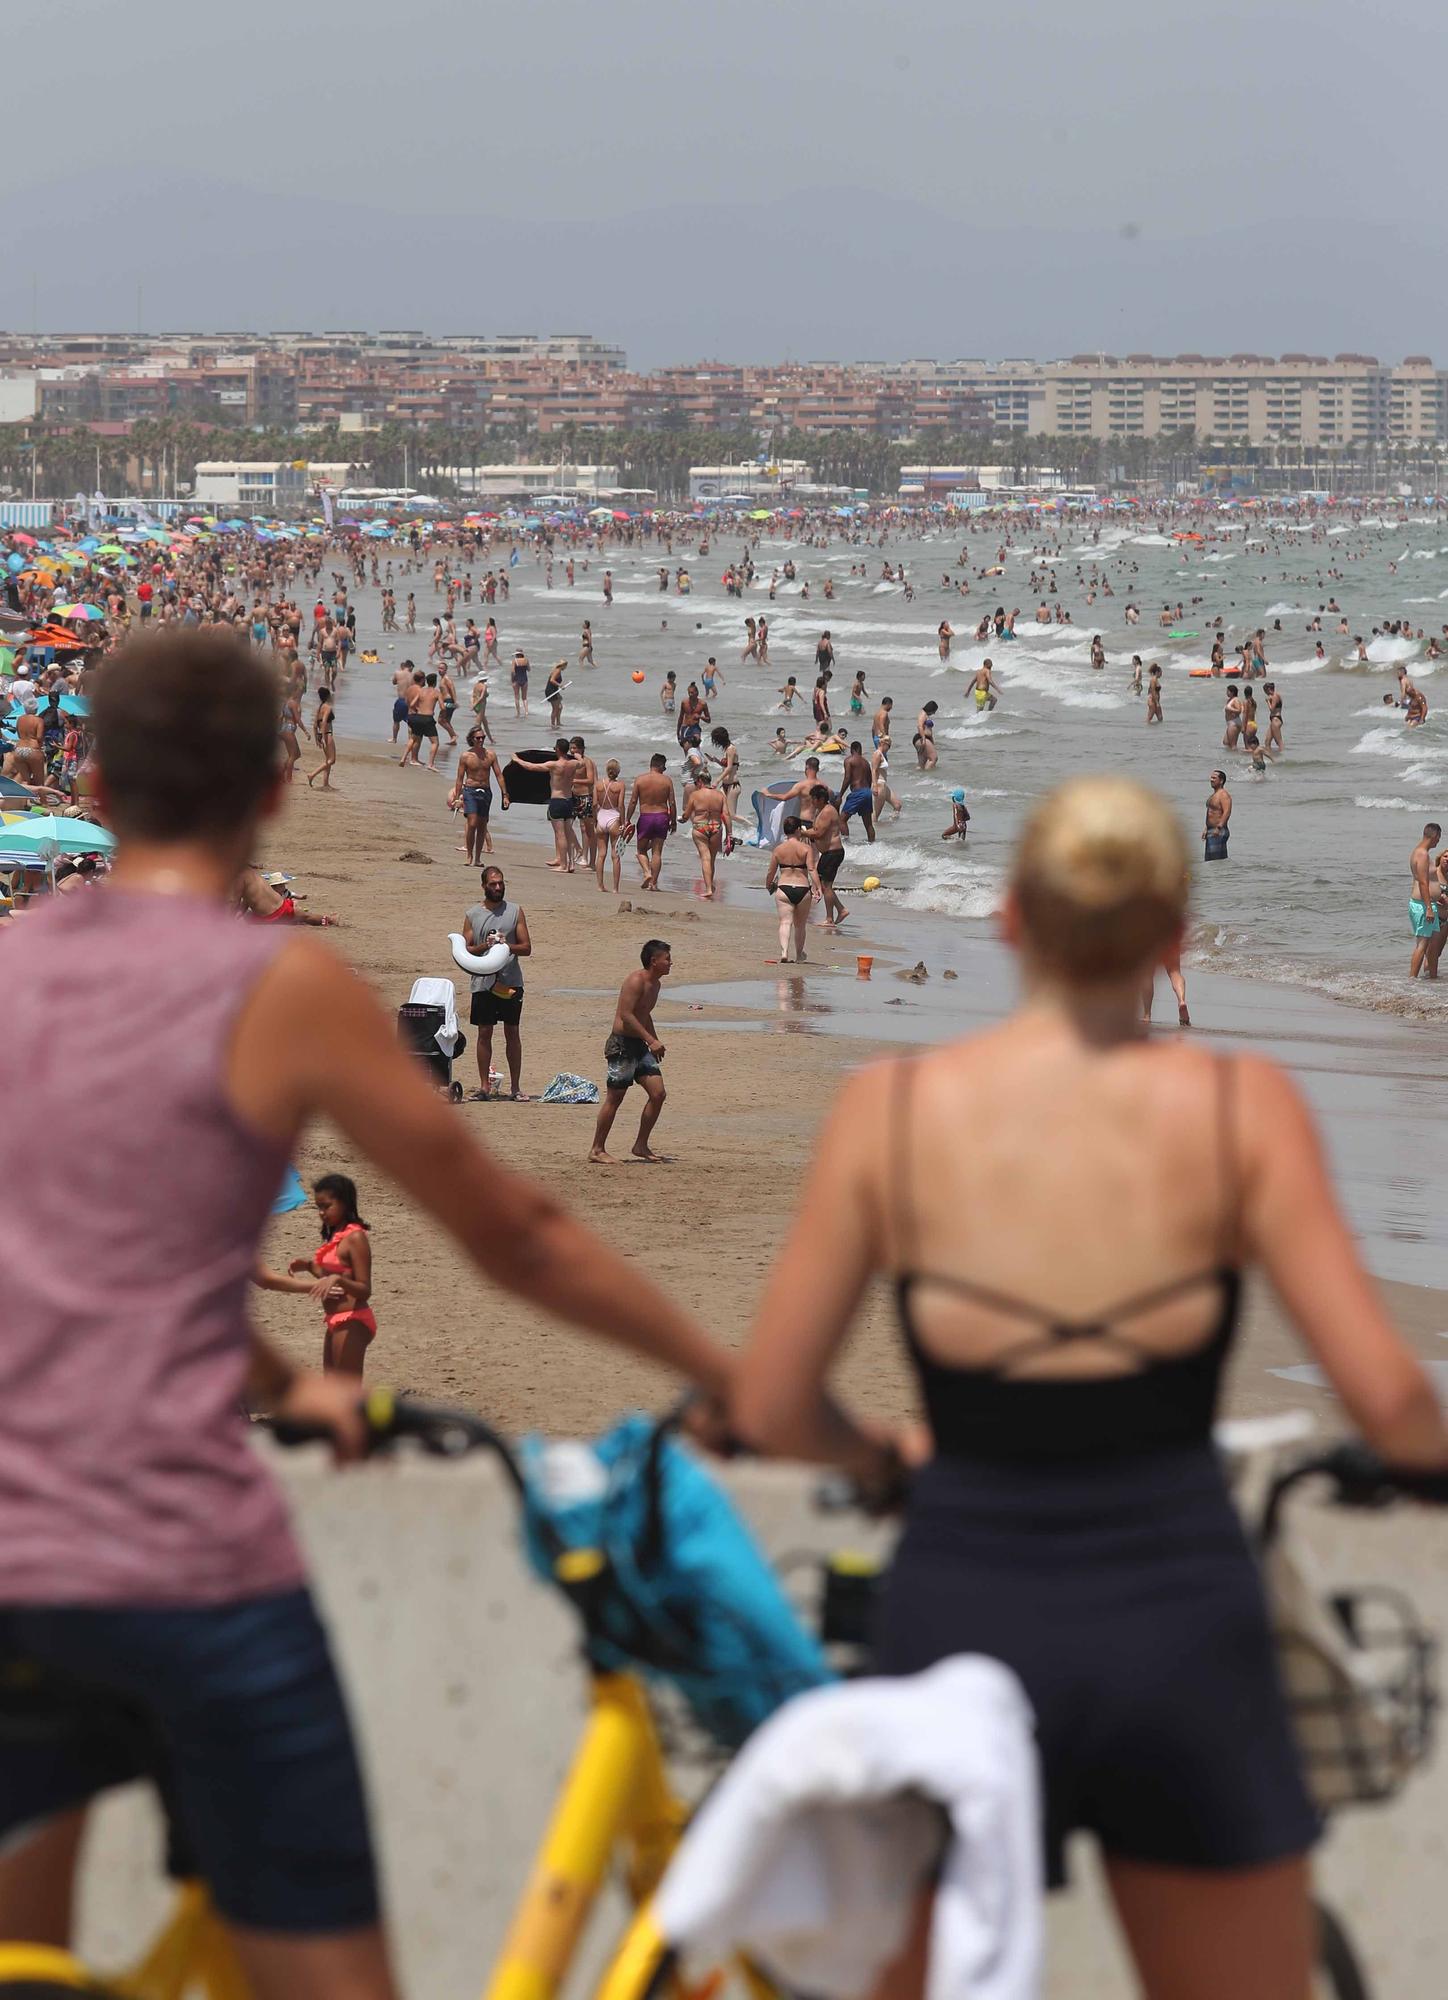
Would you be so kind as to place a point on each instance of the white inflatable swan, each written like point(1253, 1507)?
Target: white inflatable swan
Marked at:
point(491, 960)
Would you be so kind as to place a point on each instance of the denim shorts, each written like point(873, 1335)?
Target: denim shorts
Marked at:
point(234, 1711)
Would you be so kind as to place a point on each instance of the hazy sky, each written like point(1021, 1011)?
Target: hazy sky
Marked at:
point(816, 176)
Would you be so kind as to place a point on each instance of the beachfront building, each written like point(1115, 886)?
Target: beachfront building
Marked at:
point(764, 483)
point(559, 478)
point(1237, 399)
point(273, 485)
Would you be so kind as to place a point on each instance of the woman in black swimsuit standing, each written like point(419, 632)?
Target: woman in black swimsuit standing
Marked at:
point(1073, 1521)
point(793, 879)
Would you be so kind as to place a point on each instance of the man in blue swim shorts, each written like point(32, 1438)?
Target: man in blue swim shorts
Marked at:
point(859, 798)
point(401, 682)
point(1422, 910)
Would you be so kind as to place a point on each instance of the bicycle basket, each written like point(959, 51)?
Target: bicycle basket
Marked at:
point(1359, 1673)
point(667, 1578)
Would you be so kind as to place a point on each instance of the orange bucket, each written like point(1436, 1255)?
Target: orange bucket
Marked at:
point(862, 966)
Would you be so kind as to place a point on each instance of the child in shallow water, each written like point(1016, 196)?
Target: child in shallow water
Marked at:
point(959, 816)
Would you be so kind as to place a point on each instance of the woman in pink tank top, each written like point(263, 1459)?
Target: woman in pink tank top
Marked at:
point(170, 1056)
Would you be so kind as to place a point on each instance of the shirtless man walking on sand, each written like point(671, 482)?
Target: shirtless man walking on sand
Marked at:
point(422, 705)
point(473, 789)
point(828, 833)
point(633, 1053)
point(653, 812)
point(1422, 910)
point(401, 688)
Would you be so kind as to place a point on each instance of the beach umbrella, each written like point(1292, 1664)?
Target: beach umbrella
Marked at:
point(293, 1194)
point(10, 790)
point(25, 541)
point(48, 835)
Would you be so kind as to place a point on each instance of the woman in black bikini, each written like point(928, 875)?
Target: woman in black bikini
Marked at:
point(793, 878)
point(1072, 1520)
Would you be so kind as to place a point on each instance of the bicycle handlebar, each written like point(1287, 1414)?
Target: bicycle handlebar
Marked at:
point(1359, 1478)
point(442, 1431)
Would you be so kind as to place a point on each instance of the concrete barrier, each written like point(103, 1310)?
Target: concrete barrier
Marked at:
point(468, 1694)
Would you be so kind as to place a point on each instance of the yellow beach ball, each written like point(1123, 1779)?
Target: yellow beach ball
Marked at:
point(870, 882)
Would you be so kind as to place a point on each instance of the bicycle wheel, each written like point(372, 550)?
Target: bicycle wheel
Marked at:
point(1338, 1975)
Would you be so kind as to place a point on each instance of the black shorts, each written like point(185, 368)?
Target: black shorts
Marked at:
point(829, 864)
point(560, 808)
point(233, 1711)
point(422, 725)
point(1123, 1594)
point(488, 1011)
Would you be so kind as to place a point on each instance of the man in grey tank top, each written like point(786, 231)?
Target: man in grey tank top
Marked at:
point(498, 996)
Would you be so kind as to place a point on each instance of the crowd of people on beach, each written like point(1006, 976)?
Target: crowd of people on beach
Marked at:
point(306, 600)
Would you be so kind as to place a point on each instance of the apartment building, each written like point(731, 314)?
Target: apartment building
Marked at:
point(571, 382)
point(1246, 399)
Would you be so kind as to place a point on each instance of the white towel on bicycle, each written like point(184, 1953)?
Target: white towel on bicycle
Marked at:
point(810, 1851)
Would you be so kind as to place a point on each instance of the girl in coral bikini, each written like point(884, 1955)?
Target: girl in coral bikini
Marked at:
point(338, 1276)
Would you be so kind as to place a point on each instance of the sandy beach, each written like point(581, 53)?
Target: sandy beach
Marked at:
point(751, 1068)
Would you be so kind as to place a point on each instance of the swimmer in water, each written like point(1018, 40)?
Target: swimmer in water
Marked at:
point(1232, 716)
point(1153, 694)
point(926, 754)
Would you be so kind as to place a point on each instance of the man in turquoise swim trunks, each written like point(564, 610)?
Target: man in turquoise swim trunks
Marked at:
point(1422, 911)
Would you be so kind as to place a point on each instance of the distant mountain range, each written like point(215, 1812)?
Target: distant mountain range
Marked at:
point(820, 273)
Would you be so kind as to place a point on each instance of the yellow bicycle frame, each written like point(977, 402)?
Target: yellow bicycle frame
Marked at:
point(192, 1954)
point(616, 1797)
